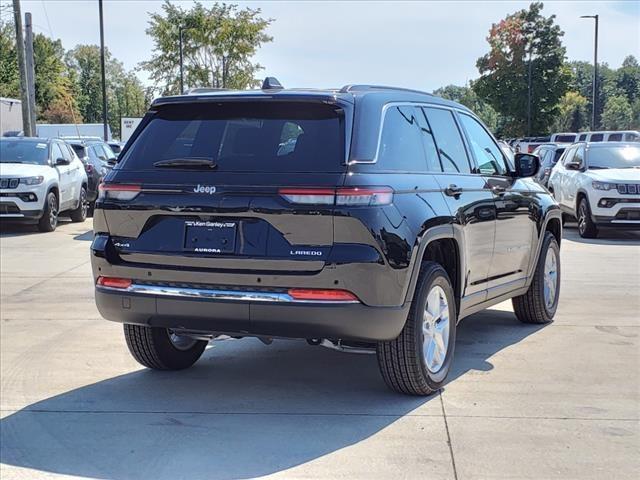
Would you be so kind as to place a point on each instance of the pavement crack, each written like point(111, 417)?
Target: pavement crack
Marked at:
point(446, 426)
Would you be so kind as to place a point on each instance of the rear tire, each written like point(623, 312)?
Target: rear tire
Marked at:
point(154, 348)
point(540, 303)
point(49, 220)
point(586, 227)
point(80, 213)
point(413, 363)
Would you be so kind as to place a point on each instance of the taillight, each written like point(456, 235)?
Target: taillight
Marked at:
point(114, 282)
point(347, 196)
point(88, 168)
point(531, 148)
point(118, 192)
point(364, 196)
point(317, 295)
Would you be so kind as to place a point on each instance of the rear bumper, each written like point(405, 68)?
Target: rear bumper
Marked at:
point(265, 317)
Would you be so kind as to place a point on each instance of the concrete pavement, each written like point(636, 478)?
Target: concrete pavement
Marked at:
point(560, 401)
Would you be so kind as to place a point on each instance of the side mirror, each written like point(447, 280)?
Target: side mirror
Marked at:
point(574, 166)
point(62, 161)
point(527, 165)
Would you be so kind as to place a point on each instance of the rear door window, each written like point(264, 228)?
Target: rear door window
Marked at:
point(565, 138)
point(582, 137)
point(453, 154)
point(597, 137)
point(244, 137)
point(615, 137)
point(401, 143)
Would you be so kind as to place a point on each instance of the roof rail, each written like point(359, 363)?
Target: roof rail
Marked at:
point(205, 90)
point(362, 88)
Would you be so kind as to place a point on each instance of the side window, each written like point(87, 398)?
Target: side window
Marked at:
point(65, 152)
point(56, 152)
point(582, 137)
point(568, 157)
point(428, 142)
point(579, 155)
point(94, 153)
point(597, 137)
point(487, 153)
point(632, 137)
point(543, 153)
point(453, 155)
point(615, 137)
point(400, 145)
point(71, 152)
point(108, 153)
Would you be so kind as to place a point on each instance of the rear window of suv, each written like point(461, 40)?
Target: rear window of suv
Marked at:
point(244, 137)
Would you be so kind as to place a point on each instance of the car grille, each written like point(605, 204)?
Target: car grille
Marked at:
point(9, 182)
point(628, 189)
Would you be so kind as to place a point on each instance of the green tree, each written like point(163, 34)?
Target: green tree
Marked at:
point(468, 97)
point(572, 113)
point(617, 113)
point(503, 83)
point(627, 78)
point(9, 75)
point(218, 46)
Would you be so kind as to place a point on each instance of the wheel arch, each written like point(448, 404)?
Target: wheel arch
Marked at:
point(552, 223)
point(441, 245)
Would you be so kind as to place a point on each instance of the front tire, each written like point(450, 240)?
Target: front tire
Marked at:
point(540, 303)
point(80, 213)
point(161, 349)
point(418, 360)
point(586, 227)
point(49, 220)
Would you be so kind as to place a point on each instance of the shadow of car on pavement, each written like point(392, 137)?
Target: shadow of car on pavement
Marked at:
point(606, 236)
point(243, 411)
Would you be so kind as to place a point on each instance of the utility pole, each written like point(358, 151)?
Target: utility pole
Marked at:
point(181, 61)
point(529, 97)
point(104, 77)
point(594, 101)
point(24, 92)
point(31, 74)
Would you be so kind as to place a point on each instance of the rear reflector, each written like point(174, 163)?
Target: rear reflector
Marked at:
point(348, 196)
point(114, 282)
point(118, 192)
point(322, 295)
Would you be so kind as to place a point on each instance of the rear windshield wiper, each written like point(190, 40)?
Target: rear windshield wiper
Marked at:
point(191, 162)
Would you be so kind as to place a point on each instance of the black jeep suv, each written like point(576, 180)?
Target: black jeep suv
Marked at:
point(365, 217)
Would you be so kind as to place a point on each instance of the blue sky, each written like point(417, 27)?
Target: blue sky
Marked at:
point(414, 44)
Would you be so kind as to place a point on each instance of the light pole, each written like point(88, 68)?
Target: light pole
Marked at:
point(104, 80)
point(529, 86)
point(594, 102)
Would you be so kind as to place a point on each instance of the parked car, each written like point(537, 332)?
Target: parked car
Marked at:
point(394, 215)
point(39, 179)
point(610, 136)
point(529, 144)
point(116, 147)
point(98, 159)
point(564, 137)
point(599, 184)
point(549, 153)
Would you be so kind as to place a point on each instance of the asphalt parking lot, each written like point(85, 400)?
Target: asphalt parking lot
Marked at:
point(556, 402)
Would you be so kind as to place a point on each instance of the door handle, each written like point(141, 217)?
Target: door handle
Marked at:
point(453, 191)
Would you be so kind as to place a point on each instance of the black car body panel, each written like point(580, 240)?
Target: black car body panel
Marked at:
point(259, 244)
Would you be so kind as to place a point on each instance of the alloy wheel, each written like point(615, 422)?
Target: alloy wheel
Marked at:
point(435, 329)
point(550, 278)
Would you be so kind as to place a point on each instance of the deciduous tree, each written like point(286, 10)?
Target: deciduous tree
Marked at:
point(522, 37)
point(617, 113)
point(218, 46)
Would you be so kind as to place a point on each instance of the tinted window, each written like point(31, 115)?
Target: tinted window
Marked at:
point(80, 150)
point(579, 155)
point(487, 153)
point(566, 138)
point(107, 152)
point(582, 137)
point(242, 137)
point(95, 152)
point(558, 154)
point(453, 155)
point(615, 137)
point(632, 137)
point(597, 137)
point(401, 143)
point(24, 151)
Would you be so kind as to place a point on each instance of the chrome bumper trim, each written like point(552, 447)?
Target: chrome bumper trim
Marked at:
point(213, 294)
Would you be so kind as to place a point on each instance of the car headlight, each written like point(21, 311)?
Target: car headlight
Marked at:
point(604, 186)
point(32, 180)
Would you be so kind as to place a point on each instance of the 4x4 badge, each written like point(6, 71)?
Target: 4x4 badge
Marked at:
point(205, 189)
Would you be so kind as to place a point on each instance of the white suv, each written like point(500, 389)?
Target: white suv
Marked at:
point(39, 179)
point(599, 185)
